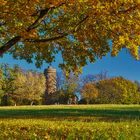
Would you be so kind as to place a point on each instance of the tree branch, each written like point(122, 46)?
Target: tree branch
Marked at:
point(16, 39)
point(81, 21)
point(9, 44)
point(32, 40)
point(124, 11)
point(45, 40)
point(41, 13)
point(2, 23)
point(128, 10)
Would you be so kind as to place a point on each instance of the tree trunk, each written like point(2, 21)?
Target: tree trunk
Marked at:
point(87, 102)
point(32, 102)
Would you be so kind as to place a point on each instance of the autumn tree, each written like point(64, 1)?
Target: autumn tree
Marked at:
point(30, 87)
point(1, 77)
point(78, 29)
point(7, 78)
point(89, 92)
point(138, 84)
point(34, 86)
point(18, 87)
point(1, 83)
point(117, 90)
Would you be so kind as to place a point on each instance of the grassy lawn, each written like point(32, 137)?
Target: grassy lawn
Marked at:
point(85, 122)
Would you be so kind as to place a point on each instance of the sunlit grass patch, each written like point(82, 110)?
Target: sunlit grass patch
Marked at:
point(70, 122)
point(43, 129)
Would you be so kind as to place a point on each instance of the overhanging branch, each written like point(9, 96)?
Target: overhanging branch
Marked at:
point(81, 21)
point(32, 40)
point(125, 10)
point(9, 44)
point(16, 39)
point(41, 13)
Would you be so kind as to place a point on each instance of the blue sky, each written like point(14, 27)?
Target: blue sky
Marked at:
point(122, 65)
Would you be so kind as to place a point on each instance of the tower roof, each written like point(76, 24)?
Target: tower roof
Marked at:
point(51, 69)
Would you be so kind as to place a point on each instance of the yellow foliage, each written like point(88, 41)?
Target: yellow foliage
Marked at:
point(83, 26)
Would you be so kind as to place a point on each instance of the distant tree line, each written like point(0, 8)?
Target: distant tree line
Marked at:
point(22, 87)
point(115, 90)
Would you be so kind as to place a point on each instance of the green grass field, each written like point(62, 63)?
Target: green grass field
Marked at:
point(72, 122)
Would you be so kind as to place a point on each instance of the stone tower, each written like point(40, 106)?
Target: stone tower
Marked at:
point(50, 74)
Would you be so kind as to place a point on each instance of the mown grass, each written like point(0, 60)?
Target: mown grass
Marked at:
point(100, 122)
point(110, 111)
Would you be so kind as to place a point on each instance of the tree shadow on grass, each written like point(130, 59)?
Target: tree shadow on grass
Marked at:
point(73, 114)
